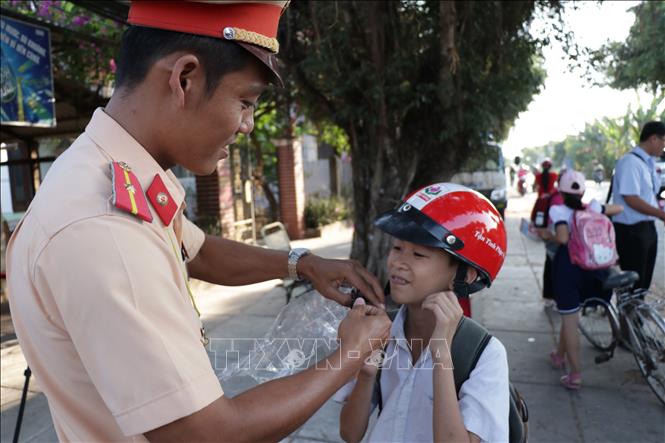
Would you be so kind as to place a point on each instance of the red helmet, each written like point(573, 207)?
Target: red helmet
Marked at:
point(454, 218)
point(547, 163)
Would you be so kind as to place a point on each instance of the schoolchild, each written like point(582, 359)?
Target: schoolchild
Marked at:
point(571, 283)
point(448, 241)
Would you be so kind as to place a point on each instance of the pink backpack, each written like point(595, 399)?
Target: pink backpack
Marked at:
point(592, 243)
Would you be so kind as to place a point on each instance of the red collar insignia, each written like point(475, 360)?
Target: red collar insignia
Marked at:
point(161, 200)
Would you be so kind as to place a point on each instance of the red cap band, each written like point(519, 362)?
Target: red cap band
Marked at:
point(204, 18)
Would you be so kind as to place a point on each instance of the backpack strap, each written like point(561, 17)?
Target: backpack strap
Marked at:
point(609, 191)
point(469, 342)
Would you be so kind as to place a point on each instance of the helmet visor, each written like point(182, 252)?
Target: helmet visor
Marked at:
point(409, 224)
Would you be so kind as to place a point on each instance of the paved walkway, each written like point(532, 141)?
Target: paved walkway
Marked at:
point(613, 406)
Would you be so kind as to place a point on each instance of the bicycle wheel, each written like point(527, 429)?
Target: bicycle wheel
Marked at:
point(647, 335)
point(598, 323)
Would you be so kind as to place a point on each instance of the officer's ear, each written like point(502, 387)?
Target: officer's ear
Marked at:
point(186, 70)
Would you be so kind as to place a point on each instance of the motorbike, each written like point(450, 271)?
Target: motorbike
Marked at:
point(521, 181)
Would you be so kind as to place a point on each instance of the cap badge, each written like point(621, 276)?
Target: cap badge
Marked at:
point(229, 33)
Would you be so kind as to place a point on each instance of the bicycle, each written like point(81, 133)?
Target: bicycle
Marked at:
point(633, 323)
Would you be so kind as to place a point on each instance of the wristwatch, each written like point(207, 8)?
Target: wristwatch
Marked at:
point(295, 255)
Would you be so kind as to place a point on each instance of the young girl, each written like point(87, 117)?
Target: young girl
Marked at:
point(571, 283)
point(449, 241)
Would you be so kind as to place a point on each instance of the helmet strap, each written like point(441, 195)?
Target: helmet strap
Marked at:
point(460, 286)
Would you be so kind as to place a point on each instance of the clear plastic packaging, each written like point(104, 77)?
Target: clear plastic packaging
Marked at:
point(304, 332)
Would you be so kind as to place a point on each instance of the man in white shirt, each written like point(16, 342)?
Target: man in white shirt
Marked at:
point(635, 186)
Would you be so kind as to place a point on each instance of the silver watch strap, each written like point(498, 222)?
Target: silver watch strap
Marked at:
point(294, 257)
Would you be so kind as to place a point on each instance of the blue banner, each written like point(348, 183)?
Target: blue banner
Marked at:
point(26, 75)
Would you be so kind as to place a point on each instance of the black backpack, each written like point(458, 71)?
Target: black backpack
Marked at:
point(468, 344)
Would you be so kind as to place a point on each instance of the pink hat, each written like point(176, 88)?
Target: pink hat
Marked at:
point(572, 182)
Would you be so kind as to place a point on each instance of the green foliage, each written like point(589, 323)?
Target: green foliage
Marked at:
point(323, 211)
point(269, 126)
point(333, 135)
point(415, 85)
point(498, 73)
point(640, 60)
point(603, 141)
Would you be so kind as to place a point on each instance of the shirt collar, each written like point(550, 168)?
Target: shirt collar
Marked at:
point(642, 153)
point(397, 328)
point(118, 144)
point(397, 333)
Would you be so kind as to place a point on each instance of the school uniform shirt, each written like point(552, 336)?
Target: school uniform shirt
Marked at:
point(561, 213)
point(635, 174)
point(408, 397)
point(99, 297)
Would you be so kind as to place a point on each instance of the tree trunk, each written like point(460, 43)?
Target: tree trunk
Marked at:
point(260, 180)
point(376, 177)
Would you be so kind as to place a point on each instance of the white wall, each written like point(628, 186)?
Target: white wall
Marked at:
point(5, 188)
point(316, 172)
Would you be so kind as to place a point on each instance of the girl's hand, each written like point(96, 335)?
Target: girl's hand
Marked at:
point(447, 313)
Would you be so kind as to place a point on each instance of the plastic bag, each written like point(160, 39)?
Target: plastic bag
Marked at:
point(304, 332)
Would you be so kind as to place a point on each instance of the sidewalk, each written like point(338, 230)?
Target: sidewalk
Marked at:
point(613, 406)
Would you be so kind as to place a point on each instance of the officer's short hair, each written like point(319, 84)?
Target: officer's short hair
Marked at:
point(652, 128)
point(142, 46)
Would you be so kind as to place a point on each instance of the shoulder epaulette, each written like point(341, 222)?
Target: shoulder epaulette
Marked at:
point(127, 192)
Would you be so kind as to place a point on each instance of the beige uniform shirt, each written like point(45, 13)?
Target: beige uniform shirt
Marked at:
point(99, 300)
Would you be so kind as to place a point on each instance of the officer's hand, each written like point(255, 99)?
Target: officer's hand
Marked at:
point(327, 275)
point(365, 329)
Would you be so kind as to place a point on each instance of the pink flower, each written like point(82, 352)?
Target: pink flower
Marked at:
point(112, 65)
point(80, 20)
point(44, 8)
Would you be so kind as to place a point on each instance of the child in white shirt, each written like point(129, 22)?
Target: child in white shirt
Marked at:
point(449, 241)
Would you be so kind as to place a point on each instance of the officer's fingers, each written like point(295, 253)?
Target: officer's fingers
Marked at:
point(376, 294)
point(335, 295)
point(354, 275)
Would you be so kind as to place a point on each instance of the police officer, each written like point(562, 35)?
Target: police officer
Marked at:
point(98, 267)
point(634, 186)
